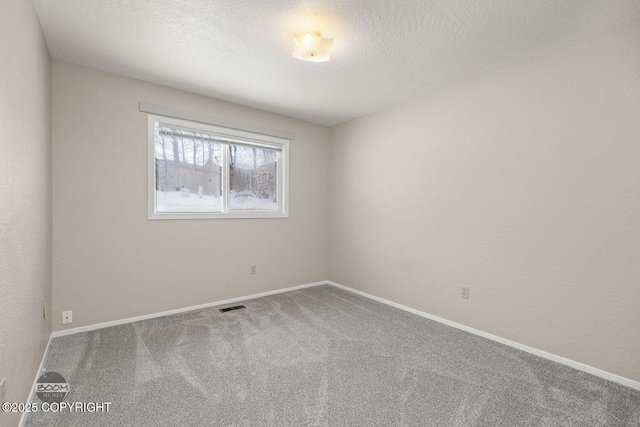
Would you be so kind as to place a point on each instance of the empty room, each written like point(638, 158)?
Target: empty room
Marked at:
point(320, 213)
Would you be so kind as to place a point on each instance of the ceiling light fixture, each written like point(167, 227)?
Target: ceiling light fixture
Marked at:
point(311, 47)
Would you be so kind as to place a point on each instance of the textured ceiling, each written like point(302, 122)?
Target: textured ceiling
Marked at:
point(385, 51)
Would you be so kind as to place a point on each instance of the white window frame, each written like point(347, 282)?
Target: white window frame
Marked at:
point(231, 136)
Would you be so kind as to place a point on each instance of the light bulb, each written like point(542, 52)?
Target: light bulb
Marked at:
point(308, 39)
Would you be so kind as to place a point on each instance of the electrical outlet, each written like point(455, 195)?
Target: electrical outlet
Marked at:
point(253, 269)
point(67, 317)
point(465, 293)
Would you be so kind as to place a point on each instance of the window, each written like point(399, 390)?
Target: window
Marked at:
point(198, 170)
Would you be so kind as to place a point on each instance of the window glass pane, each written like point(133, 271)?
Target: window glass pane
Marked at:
point(253, 178)
point(188, 171)
point(203, 171)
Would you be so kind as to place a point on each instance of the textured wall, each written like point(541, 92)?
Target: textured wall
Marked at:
point(111, 263)
point(523, 184)
point(25, 198)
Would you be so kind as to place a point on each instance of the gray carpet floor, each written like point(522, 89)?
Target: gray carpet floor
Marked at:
point(320, 356)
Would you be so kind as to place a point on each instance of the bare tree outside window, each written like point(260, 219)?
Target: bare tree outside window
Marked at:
point(188, 171)
point(220, 174)
point(253, 177)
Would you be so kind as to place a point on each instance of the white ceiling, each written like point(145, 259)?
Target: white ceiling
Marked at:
point(385, 51)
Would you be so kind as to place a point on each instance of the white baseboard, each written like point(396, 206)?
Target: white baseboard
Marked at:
point(23, 418)
point(545, 355)
point(179, 310)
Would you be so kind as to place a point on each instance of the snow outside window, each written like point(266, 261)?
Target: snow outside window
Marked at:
point(204, 171)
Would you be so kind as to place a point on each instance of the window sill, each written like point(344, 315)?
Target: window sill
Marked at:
point(238, 215)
